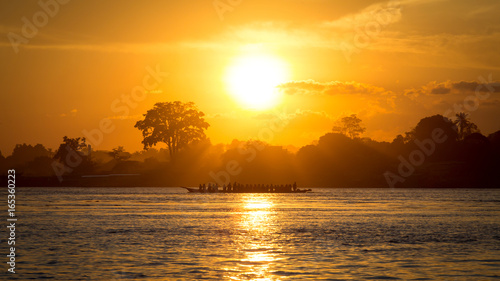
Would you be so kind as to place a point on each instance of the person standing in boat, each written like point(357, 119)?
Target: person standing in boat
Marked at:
point(294, 186)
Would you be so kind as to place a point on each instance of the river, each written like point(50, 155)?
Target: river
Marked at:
point(330, 234)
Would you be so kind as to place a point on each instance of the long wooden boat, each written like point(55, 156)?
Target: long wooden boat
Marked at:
point(196, 190)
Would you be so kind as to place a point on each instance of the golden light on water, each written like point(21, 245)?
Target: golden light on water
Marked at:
point(257, 212)
point(258, 248)
point(258, 205)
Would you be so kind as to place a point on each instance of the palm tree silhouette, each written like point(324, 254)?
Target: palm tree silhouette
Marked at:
point(465, 126)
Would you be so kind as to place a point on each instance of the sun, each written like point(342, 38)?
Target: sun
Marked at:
point(252, 80)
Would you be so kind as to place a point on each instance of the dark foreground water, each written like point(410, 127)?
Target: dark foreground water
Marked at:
point(331, 234)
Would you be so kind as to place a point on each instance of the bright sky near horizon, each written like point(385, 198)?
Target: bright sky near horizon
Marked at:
point(94, 67)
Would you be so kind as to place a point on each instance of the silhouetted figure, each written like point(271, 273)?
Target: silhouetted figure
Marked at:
point(249, 188)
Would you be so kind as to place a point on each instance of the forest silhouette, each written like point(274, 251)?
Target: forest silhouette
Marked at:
point(437, 152)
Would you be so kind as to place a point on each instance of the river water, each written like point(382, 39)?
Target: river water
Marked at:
point(330, 234)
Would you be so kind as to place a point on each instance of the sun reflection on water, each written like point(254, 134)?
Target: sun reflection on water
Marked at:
point(258, 205)
point(257, 247)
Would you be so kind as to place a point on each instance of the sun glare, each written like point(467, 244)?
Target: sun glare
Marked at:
point(252, 81)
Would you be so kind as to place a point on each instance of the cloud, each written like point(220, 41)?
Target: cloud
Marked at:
point(383, 13)
point(440, 90)
point(375, 103)
point(311, 87)
point(476, 86)
point(454, 87)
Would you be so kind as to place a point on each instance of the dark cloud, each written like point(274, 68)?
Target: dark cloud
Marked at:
point(440, 90)
point(476, 86)
point(455, 87)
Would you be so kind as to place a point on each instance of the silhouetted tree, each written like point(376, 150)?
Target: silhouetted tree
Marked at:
point(349, 126)
point(409, 136)
point(495, 138)
point(426, 126)
point(24, 153)
point(119, 154)
point(464, 125)
point(70, 145)
point(441, 132)
point(175, 123)
point(73, 153)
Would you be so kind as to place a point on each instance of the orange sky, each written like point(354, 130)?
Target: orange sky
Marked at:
point(75, 64)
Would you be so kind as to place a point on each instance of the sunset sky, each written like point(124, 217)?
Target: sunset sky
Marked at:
point(246, 64)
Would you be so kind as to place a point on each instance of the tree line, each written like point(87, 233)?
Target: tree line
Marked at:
point(463, 157)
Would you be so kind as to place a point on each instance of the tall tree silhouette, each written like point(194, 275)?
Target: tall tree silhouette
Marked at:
point(68, 146)
point(464, 125)
point(349, 126)
point(74, 156)
point(175, 123)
